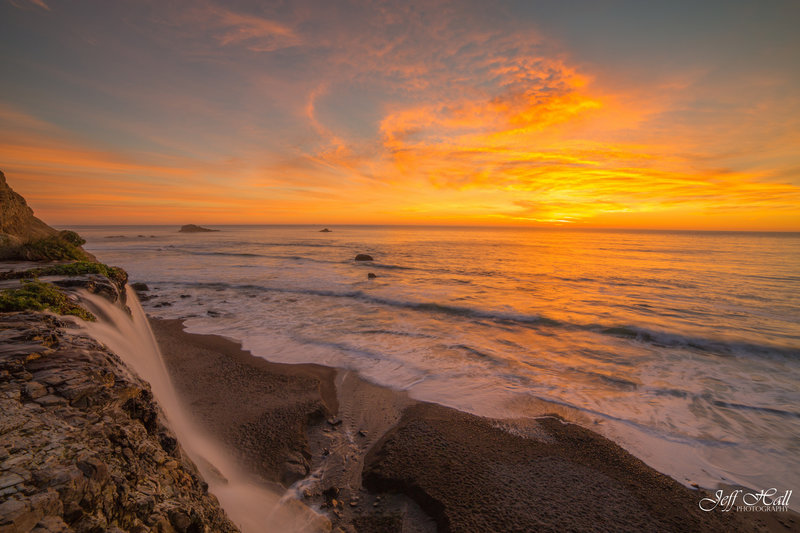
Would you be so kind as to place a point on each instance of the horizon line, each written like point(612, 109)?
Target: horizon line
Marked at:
point(470, 226)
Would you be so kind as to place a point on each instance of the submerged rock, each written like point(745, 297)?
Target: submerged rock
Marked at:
point(325, 230)
point(364, 257)
point(193, 228)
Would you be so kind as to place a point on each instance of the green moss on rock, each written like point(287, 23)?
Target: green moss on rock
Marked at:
point(71, 237)
point(78, 268)
point(35, 295)
point(53, 249)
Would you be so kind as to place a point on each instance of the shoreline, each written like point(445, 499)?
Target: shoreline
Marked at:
point(372, 459)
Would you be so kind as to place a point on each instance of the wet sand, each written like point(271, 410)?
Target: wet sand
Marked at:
point(374, 460)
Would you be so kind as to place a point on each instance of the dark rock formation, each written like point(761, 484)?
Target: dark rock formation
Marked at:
point(471, 474)
point(17, 223)
point(23, 236)
point(140, 287)
point(371, 275)
point(325, 230)
point(82, 444)
point(192, 228)
point(364, 257)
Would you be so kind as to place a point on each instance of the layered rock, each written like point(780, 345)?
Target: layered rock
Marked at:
point(83, 446)
point(82, 443)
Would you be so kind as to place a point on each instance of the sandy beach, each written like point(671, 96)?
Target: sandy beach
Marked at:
point(379, 461)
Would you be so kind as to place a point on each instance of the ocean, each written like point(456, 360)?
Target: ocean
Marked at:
point(683, 347)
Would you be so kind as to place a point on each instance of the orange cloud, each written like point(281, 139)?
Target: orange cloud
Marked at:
point(255, 33)
point(385, 113)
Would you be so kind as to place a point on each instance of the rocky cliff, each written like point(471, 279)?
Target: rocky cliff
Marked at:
point(23, 236)
point(17, 223)
point(83, 445)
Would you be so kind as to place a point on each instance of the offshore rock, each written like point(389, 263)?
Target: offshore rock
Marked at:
point(140, 287)
point(82, 443)
point(192, 228)
point(363, 257)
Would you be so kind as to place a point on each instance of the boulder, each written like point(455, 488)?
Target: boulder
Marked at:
point(364, 257)
point(140, 287)
point(371, 275)
point(325, 230)
point(193, 228)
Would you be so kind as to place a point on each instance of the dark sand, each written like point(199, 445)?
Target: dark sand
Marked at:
point(381, 462)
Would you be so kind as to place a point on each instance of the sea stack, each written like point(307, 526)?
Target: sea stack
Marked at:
point(193, 228)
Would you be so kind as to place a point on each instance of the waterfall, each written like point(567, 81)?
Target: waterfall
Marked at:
point(252, 507)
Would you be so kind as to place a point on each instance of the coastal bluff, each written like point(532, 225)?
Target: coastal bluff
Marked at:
point(25, 237)
point(17, 222)
point(83, 444)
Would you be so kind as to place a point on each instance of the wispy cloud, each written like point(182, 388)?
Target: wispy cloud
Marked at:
point(362, 111)
point(21, 4)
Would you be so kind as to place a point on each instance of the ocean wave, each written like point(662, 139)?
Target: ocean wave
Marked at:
point(385, 266)
point(724, 347)
point(702, 344)
point(397, 333)
point(266, 256)
point(760, 409)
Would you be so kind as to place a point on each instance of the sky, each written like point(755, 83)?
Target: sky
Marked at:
point(613, 114)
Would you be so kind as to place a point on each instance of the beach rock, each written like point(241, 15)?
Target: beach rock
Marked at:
point(325, 230)
point(371, 275)
point(140, 287)
point(293, 471)
point(468, 474)
point(364, 257)
point(330, 493)
point(192, 228)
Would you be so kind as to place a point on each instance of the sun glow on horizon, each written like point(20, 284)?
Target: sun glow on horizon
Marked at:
point(425, 114)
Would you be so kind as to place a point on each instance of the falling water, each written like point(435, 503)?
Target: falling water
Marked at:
point(253, 507)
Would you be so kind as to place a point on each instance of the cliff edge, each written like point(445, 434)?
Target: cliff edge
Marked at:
point(25, 237)
point(83, 444)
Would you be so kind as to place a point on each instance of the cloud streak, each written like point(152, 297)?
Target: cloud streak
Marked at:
point(392, 112)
